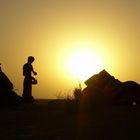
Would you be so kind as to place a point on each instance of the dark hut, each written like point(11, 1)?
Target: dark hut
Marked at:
point(104, 88)
point(7, 95)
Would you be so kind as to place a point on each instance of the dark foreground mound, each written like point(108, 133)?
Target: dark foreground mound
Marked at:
point(56, 120)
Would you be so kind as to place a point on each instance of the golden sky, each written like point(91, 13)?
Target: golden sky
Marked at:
point(56, 32)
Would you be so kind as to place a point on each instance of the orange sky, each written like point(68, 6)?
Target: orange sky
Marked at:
point(53, 30)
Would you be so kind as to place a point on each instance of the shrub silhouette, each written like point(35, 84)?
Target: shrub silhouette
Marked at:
point(77, 93)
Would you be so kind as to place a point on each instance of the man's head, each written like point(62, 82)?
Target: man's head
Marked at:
point(31, 59)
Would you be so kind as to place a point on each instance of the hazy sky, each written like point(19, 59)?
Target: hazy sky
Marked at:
point(52, 30)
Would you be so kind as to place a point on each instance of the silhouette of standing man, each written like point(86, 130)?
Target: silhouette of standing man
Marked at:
point(28, 80)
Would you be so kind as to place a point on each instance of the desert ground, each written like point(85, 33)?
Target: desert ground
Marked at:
point(63, 120)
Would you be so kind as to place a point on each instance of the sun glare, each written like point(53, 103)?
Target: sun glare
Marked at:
point(84, 63)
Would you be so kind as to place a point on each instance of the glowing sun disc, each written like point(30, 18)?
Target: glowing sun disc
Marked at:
point(83, 64)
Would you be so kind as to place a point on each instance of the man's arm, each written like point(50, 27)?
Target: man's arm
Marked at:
point(35, 73)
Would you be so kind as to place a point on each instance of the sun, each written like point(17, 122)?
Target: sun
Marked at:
point(83, 63)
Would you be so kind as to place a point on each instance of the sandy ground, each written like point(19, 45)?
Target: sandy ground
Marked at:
point(59, 120)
